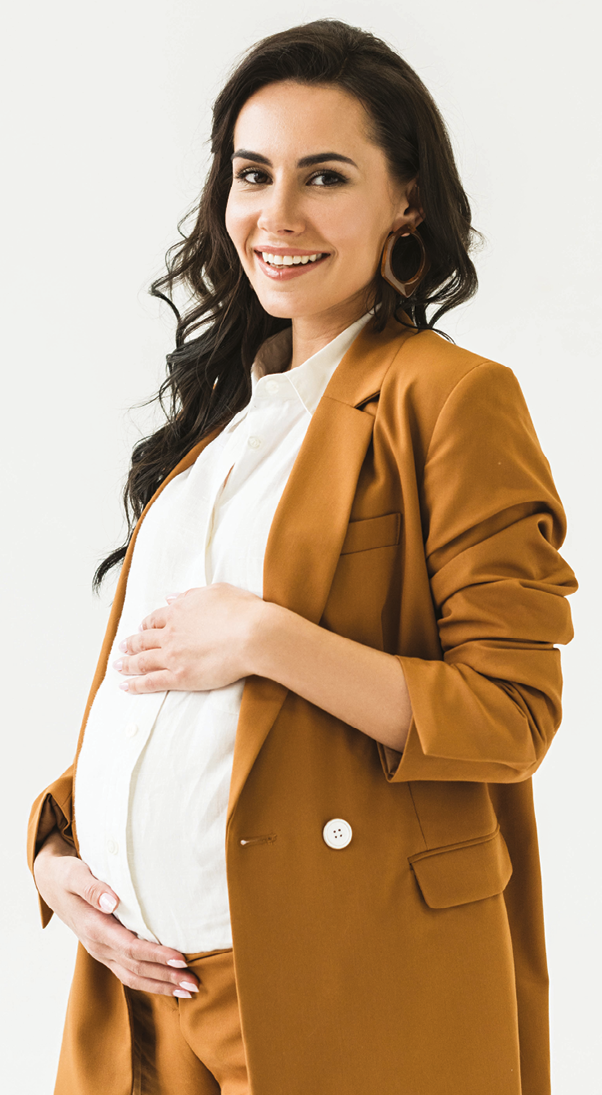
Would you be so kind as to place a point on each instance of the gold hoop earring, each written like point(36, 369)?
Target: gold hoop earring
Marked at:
point(404, 288)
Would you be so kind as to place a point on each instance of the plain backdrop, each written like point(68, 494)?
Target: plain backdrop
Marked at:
point(106, 117)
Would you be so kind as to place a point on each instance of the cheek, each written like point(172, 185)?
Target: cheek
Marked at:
point(359, 234)
point(237, 224)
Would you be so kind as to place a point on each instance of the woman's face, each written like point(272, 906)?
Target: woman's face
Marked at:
point(308, 181)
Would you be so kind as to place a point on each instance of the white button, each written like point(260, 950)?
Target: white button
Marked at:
point(254, 442)
point(272, 386)
point(337, 833)
point(131, 730)
point(112, 847)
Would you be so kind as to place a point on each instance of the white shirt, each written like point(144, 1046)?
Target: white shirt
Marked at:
point(153, 776)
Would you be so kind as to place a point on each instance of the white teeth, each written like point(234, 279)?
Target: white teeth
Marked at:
point(289, 260)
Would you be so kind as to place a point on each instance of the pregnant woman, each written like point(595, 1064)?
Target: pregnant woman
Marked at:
point(297, 844)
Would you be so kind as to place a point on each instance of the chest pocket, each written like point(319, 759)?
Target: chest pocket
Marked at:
point(372, 532)
point(458, 873)
point(361, 585)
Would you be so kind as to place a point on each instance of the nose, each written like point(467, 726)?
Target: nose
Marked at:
point(281, 211)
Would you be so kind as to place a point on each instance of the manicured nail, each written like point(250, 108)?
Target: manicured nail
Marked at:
point(124, 646)
point(182, 995)
point(107, 903)
point(118, 664)
point(169, 597)
point(190, 985)
point(125, 685)
point(177, 963)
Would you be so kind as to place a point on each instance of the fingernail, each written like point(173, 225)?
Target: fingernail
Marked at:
point(107, 903)
point(182, 995)
point(190, 985)
point(124, 646)
point(125, 685)
point(118, 664)
point(176, 963)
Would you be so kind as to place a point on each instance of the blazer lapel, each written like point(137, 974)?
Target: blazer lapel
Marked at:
point(311, 520)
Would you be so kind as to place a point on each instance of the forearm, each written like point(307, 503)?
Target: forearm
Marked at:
point(362, 686)
point(54, 845)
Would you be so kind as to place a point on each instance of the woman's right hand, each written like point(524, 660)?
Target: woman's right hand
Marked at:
point(86, 905)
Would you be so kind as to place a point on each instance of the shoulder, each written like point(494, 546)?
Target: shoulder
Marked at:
point(428, 362)
point(435, 392)
point(428, 375)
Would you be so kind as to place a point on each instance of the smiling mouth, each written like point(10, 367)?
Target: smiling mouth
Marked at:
point(280, 261)
point(283, 268)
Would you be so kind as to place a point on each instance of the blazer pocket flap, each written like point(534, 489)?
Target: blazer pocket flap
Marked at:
point(372, 532)
point(459, 873)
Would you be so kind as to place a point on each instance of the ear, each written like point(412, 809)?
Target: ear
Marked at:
point(410, 209)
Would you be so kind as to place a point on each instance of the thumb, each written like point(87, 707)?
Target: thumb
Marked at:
point(96, 893)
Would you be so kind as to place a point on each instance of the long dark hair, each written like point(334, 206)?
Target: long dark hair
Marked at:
point(209, 372)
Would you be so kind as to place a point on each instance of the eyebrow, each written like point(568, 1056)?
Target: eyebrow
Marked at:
point(305, 161)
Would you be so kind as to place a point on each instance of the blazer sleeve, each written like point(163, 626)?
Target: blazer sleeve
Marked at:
point(488, 709)
point(52, 809)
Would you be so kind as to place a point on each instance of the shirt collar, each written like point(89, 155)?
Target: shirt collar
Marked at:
point(310, 379)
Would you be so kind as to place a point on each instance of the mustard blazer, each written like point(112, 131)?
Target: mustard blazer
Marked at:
point(420, 518)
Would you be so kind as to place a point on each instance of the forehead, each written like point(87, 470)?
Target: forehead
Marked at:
point(297, 118)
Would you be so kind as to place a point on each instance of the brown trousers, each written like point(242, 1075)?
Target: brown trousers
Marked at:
point(191, 1047)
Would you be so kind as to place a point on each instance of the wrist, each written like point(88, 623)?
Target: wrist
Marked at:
point(54, 845)
point(266, 619)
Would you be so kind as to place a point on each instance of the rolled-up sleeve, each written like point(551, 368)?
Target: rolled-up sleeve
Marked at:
point(488, 709)
point(53, 809)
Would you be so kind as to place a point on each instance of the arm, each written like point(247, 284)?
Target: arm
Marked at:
point(362, 686)
point(488, 710)
point(213, 635)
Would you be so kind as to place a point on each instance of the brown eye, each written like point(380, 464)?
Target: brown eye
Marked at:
point(247, 172)
point(329, 178)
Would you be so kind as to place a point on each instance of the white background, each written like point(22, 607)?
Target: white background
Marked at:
point(107, 111)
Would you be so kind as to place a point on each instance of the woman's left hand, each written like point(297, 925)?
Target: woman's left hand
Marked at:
point(202, 640)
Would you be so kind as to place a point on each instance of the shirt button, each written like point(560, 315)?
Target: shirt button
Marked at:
point(254, 442)
point(337, 833)
point(131, 730)
point(272, 386)
point(112, 847)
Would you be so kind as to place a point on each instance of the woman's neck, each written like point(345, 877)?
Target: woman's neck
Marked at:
point(312, 333)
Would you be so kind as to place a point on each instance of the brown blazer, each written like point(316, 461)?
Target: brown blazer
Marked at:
point(420, 518)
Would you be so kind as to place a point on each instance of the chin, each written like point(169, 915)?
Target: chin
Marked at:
point(286, 307)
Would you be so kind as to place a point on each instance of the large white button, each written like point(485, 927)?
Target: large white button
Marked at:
point(131, 730)
point(272, 386)
point(254, 442)
point(112, 847)
point(337, 833)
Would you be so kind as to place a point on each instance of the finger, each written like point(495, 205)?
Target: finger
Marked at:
point(169, 597)
point(160, 681)
point(148, 984)
point(158, 618)
point(128, 948)
point(108, 942)
point(174, 979)
point(149, 661)
point(94, 892)
point(144, 640)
